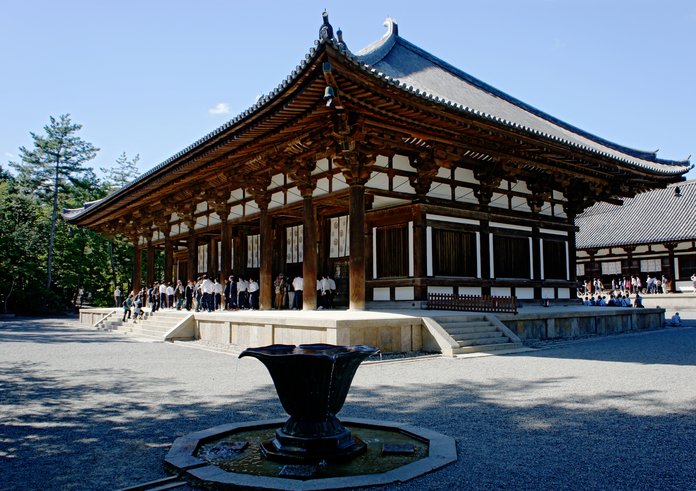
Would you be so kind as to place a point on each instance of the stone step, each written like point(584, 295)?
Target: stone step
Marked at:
point(483, 348)
point(460, 319)
point(490, 333)
point(483, 341)
point(465, 328)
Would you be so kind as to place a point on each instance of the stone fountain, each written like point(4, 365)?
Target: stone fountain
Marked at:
point(312, 381)
point(312, 449)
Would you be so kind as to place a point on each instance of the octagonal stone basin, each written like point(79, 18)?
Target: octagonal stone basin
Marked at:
point(186, 458)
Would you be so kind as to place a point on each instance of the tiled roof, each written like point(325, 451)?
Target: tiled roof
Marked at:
point(653, 217)
point(414, 69)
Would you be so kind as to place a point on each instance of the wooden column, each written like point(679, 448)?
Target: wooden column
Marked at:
point(225, 251)
point(420, 260)
point(309, 253)
point(192, 244)
point(137, 265)
point(301, 174)
point(150, 274)
point(356, 168)
point(258, 188)
point(357, 246)
point(484, 193)
point(168, 258)
point(266, 270)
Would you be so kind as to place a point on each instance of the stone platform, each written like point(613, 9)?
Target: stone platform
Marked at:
point(400, 329)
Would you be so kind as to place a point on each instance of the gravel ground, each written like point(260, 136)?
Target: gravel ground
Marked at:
point(81, 409)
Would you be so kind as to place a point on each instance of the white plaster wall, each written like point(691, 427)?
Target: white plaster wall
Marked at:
point(470, 290)
point(440, 289)
point(383, 202)
point(404, 293)
point(237, 211)
point(524, 293)
point(499, 291)
point(564, 293)
point(277, 181)
point(201, 207)
point(521, 187)
point(251, 207)
point(294, 195)
point(214, 219)
point(322, 187)
point(401, 162)
point(402, 185)
point(465, 195)
point(339, 182)
point(499, 200)
point(439, 190)
point(236, 195)
point(322, 166)
point(277, 200)
point(465, 175)
point(380, 294)
point(382, 161)
point(520, 204)
point(548, 293)
point(378, 180)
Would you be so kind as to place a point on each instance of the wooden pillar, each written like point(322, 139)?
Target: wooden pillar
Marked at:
point(266, 270)
point(168, 258)
point(537, 259)
point(150, 274)
point(137, 266)
point(309, 253)
point(225, 251)
point(192, 244)
point(357, 246)
point(420, 259)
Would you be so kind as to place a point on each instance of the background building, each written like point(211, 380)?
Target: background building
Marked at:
point(653, 234)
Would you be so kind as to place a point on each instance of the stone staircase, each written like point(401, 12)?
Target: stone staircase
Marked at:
point(151, 326)
point(478, 333)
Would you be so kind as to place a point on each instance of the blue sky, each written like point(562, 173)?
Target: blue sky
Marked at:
point(152, 77)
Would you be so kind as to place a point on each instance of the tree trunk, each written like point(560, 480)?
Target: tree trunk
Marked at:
point(54, 219)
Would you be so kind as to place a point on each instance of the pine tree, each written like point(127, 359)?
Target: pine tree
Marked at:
point(53, 166)
point(122, 172)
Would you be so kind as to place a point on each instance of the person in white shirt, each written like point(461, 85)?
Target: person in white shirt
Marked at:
point(217, 289)
point(163, 295)
point(207, 287)
point(676, 320)
point(253, 289)
point(170, 295)
point(323, 292)
point(242, 286)
point(297, 286)
point(332, 292)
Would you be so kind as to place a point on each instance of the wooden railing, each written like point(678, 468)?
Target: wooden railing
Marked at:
point(474, 303)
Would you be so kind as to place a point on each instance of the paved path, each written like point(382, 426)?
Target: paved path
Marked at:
point(81, 409)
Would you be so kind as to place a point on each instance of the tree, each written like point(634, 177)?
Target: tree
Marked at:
point(53, 166)
point(122, 172)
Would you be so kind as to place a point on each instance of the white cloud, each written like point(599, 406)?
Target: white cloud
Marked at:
point(9, 155)
point(220, 108)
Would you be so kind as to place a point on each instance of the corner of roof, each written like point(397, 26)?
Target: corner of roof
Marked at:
point(376, 51)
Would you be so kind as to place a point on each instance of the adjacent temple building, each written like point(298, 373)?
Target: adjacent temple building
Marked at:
point(388, 169)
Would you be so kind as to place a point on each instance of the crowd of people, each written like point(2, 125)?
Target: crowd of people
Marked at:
point(208, 295)
point(632, 284)
point(612, 299)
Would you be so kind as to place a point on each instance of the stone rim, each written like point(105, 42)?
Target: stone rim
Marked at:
point(181, 460)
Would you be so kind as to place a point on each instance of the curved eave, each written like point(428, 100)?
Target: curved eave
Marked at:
point(641, 160)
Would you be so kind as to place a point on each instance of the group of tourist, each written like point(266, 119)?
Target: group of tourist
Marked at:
point(208, 295)
point(613, 299)
point(326, 292)
point(632, 284)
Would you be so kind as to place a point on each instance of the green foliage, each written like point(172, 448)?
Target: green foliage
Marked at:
point(49, 177)
point(122, 172)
